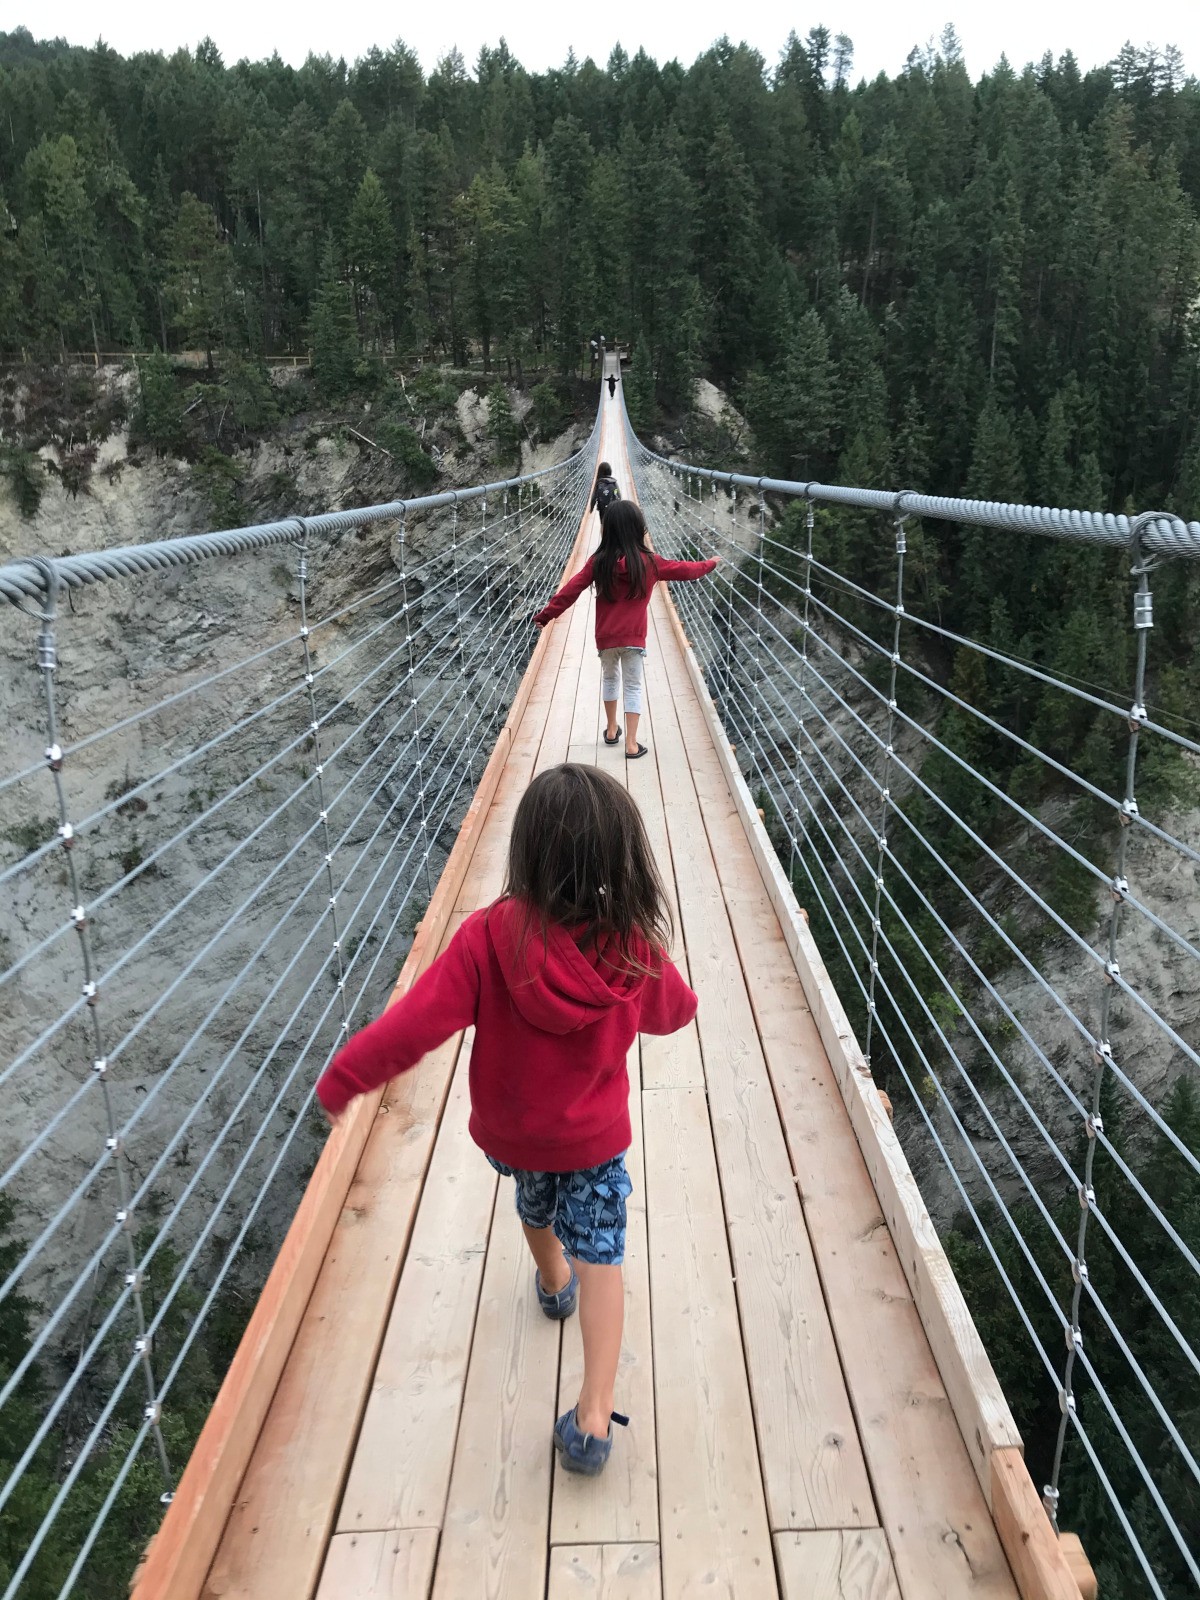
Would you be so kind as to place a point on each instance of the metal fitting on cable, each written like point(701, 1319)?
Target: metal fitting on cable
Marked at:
point(1087, 1197)
point(1143, 609)
point(54, 757)
point(47, 655)
point(1066, 1402)
point(1129, 810)
point(79, 919)
point(133, 1280)
point(91, 991)
point(1079, 1270)
point(1137, 715)
point(1094, 1125)
point(1112, 971)
point(67, 834)
point(100, 1066)
point(153, 1413)
point(1119, 888)
point(1073, 1338)
point(1102, 1052)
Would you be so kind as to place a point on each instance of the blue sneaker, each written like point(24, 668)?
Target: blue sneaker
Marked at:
point(558, 1307)
point(583, 1452)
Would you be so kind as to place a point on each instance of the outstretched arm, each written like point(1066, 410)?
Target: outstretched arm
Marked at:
point(681, 571)
point(568, 594)
point(443, 1000)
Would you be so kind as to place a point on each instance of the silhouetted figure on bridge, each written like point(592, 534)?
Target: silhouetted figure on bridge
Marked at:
point(612, 385)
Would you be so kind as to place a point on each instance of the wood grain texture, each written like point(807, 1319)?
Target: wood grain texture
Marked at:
point(813, 1467)
point(379, 1566)
point(604, 1572)
point(1081, 1567)
point(943, 1542)
point(984, 1415)
point(1038, 1561)
point(715, 1540)
point(852, 1564)
point(400, 1473)
point(621, 1506)
point(495, 1538)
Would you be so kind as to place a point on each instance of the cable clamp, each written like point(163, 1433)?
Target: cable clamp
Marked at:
point(141, 1345)
point(133, 1280)
point(79, 919)
point(302, 570)
point(341, 985)
point(899, 608)
point(1102, 1053)
point(67, 834)
point(305, 631)
point(885, 794)
point(322, 816)
point(314, 727)
point(112, 1143)
point(153, 1413)
point(1073, 1338)
point(345, 1026)
point(1143, 609)
point(333, 899)
point(54, 756)
point(1087, 1197)
point(1112, 971)
point(1119, 888)
point(308, 679)
point(328, 859)
point(1066, 1403)
point(888, 749)
point(1079, 1270)
point(47, 655)
point(166, 1497)
point(125, 1218)
point(1137, 715)
point(319, 769)
point(90, 991)
point(876, 925)
point(874, 965)
point(871, 1007)
point(100, 1066)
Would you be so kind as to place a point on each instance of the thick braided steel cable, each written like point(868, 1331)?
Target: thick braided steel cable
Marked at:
point(696, 624)
point(740, 725)
point(25, 580)
point(1098, 960)
point(1165, 534)
point(483, 650)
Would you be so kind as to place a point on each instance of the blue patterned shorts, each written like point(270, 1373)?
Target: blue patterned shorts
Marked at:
point(586, 1209)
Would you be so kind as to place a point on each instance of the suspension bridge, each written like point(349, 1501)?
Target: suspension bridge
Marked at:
point(213, 877)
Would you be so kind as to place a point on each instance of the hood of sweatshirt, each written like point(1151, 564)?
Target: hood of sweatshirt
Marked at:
point(554, 984)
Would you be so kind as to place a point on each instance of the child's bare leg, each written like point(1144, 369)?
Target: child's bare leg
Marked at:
point(548, 1253)
point(610, 711)
point(632, 718)
point(602, 1322)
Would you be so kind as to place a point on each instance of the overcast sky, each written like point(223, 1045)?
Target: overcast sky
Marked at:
point(540, 34)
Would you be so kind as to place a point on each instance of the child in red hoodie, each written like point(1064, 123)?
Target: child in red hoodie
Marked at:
point(558, 977)
point(624, 573)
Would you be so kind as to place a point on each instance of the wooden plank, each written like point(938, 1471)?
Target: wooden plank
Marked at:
point(812, 1463)
point(942, 1538)
point(379, 1566)
point(979, 1404)
point(714, 1535)
point(1081, 1567)
point(672, 1060)
point(836, 1564)
point(604, 1572)
point(622, 1504)
point(1038, 1561)
point(400, 1473)
point(494, 1541)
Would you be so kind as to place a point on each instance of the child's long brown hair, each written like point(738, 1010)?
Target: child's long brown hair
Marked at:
point(622, 537)
point(579, 857)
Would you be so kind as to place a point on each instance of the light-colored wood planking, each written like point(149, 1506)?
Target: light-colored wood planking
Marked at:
point(604, 1572)
point(1081, 1567)
point(622, 1504)
point(714, 1535)
point(379, 1566)
point(282, 1517)
point(813, 1467)
point(944, 1546)
point(401, 1469)
point(971, 1383)
point(1038, 1561)
point(495, 1536)
point(671, 1060)
point(836, 1564)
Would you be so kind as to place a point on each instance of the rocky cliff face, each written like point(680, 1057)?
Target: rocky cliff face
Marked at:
point(217, 989)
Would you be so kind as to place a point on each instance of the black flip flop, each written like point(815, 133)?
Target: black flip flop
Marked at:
point(641, 751)
point(615, 740)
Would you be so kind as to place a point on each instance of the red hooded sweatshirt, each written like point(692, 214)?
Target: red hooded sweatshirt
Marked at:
point(553, 1025)
point(621, 622)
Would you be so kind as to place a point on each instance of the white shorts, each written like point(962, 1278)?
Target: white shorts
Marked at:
point(623, 667)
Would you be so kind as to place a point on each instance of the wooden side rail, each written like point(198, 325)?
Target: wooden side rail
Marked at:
point(1039, 1562)
point(180, 1554)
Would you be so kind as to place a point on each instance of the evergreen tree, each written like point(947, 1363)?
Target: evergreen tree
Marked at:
point(639, 389)
point(335, 348)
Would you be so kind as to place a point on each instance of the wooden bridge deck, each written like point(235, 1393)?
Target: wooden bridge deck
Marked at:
point(790, 1431)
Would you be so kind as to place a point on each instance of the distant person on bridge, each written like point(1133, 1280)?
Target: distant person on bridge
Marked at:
point(624, 573)
point(612, 384)
point(605, 492)
point(558, 977)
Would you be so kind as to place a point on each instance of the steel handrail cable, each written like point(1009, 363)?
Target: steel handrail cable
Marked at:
point(1065, 927)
